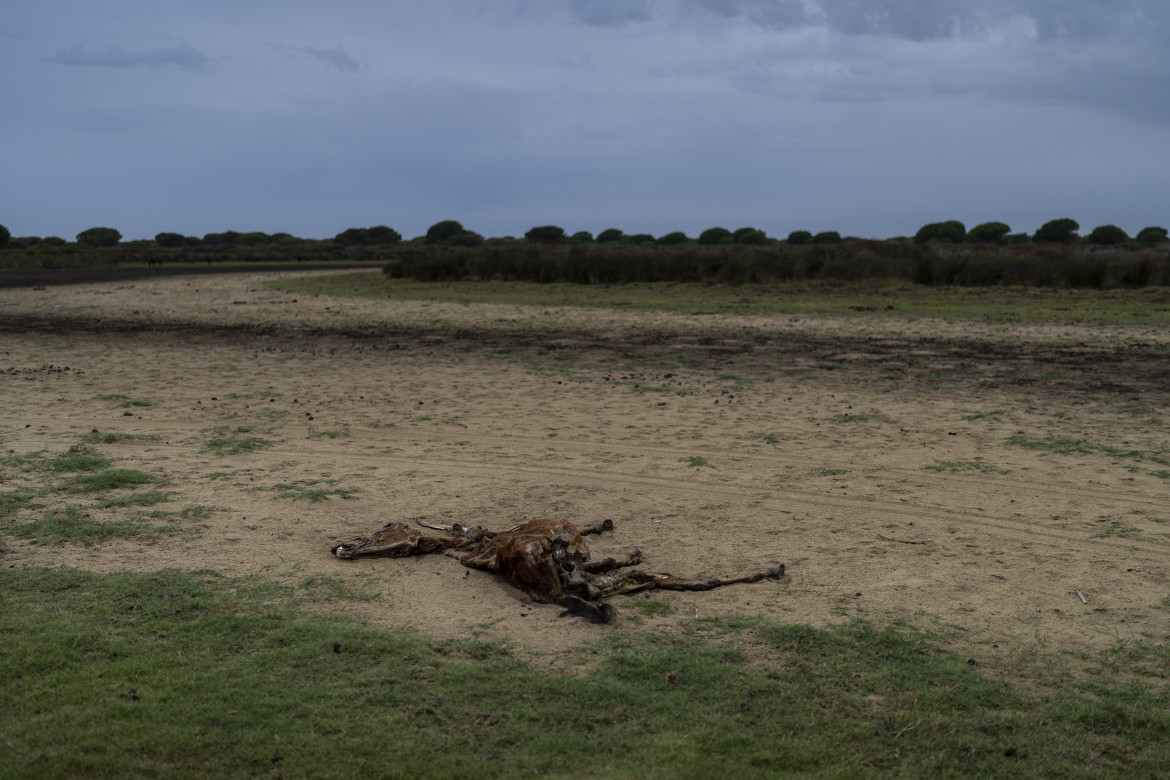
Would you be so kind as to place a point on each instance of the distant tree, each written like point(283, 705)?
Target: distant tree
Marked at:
point(609, 235)
point(5, 236)
point(351, 237)
point(284, 239)
point(464, 238)
point(799, 237)
point(673, 239)
point(546, 234)
point(382, 235)
point(952, 231)
point(441, 231)
point(1058, 231)
point(99, 236)
point(1107, 235)
point(988, 233)
point(170, 239)
point(640, 238)
point(827, 237)
point(581, 237)
point(1147, 235)
point(715, 235)
point(54, 241)
point(227, 238)
point(749, 235)
point(255, 238)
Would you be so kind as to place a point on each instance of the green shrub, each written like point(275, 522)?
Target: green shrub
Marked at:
point(1147, 235)
point(439, 232)
point(468, 238)
point(1058, 231)
point(749, 235)
point(609, 235)
point(951, 231)
point(799, 237)
point(988, 233)
point(5, 236)
point(827, 237)
point(546, 234)
point(715, 235)
point(581, 237)
point(1107, 235)
point(99, 236)
point(673, 239)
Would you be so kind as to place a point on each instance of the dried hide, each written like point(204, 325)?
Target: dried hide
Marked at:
point(547, 559)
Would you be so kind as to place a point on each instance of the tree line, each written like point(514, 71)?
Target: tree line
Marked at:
point(451, 233)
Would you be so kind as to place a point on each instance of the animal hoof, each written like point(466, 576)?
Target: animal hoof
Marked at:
point(594, 613)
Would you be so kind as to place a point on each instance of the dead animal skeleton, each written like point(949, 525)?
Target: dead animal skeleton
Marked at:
point(547, 559)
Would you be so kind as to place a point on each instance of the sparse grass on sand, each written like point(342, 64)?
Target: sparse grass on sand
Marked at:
point(874, 299)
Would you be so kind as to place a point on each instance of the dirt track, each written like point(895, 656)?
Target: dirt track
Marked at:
point(870, 456)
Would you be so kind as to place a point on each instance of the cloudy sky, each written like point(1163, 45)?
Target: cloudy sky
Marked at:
point(870, 117)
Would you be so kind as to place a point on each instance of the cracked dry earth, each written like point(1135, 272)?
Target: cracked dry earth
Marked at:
point(896, 466)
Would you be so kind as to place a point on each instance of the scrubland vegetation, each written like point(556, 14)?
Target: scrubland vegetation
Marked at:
point(940, 254)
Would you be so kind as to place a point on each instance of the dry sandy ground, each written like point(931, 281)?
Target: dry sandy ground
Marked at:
point(917, 505)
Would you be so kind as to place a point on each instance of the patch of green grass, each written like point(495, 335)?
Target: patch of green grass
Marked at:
point(854, 418)
point(1115, 529)
point(831, 299)
point(133, 402)
point(329, 587)
point(340, 434)
point(996, 415)
point(305, 490)
point(13, 502)
point(112, 479)
point(73, 525)
point(79, 458)
point(1066, 445)
point(830, 472)
point(956, 466)
point(220, 475)
point(769, 438)
point(210, 676)
point(113, 397)
point(149, 498)
point(97, 437)
point(194, 512)
point(698, 461)
point(638, 387)
point(231, 443)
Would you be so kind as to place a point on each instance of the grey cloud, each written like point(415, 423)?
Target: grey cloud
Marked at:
point(114, 56)
point(336, 57)
point(610, 13)
point(921, 20)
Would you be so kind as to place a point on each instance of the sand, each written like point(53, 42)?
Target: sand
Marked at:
point(874, 457)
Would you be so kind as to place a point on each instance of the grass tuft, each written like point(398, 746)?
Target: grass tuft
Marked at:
point(112, 479)
point(73, 525)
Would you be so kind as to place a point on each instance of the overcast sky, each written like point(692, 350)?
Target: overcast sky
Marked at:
point(870, 117)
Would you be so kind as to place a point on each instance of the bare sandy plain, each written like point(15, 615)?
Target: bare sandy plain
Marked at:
point(879, 458)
